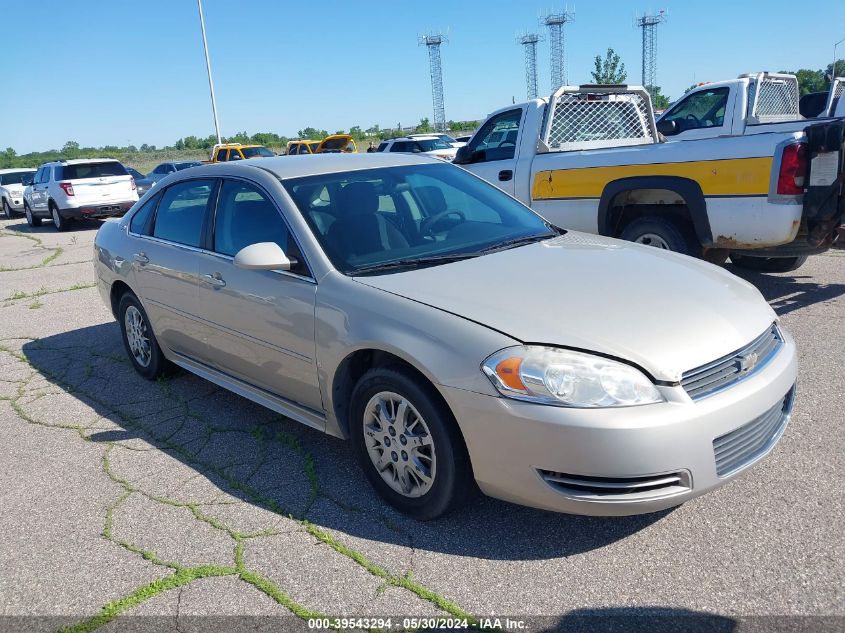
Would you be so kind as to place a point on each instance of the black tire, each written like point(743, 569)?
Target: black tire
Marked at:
point(60, 222)
point(158, 365)
point(30, 218)
point(7, 210)
point(453, 480)
point(652, 229)
point(769, 264)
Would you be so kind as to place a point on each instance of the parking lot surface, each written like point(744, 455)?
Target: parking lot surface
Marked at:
point(176, 498)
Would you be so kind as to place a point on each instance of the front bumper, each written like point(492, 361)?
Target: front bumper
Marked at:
point(519, 449)
point(15, 202)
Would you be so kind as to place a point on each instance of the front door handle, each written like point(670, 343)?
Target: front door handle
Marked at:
point(505, 175)
point(141, 258)
point(215, 280)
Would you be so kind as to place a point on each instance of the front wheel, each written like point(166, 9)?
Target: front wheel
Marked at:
point(408, 444)
point(769, 264)
point(139, 340)
point(30, 218)
point(7, 210)
point(663, 233)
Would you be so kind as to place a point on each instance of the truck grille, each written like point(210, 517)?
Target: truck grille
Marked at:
point(617, 488)
point(743, 446)
point(729, 370)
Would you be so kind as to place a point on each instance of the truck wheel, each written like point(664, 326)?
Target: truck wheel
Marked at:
point(653, 230)
point(769, 264)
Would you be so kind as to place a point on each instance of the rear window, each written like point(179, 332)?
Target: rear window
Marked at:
point(79, 171)
point(433, 144)
point(14, 178)
point(382, 146)
point(252, 152)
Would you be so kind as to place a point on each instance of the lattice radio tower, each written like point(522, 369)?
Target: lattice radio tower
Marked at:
point(529, 41)
point(648, 23)
point(433, 42)
point(555, 21)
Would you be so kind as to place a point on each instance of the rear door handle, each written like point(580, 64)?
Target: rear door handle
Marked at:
point(141, 258)
point(505, 175)
point(215, 280)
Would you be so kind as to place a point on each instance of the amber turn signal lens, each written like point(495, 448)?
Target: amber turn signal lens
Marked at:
point(508, 372)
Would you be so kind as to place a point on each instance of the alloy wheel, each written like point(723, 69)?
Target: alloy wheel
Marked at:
point(399, 444)
point(137, 336)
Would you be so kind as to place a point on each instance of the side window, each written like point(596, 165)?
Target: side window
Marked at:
point(45, 175)
point(37, 177)
point(159, 169)
point(169, 169)
point(399, 146)
point(140, 220)
point(221, 154)
point(294, 149)
point(496, 140)
point(235, 154)
point(182, 211)
point(382, 146)
point(246, 216)
point(703, 109)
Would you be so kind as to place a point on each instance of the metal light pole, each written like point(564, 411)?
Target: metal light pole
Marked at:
point(208, 67)
point(833, 65)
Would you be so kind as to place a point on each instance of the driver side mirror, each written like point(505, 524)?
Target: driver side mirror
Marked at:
point(26, 181)
point(263, 256)
point(466, 156)
point(668, 128)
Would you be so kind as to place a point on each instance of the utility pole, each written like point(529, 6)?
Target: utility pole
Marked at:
point(648, 23)
point(433, 42)
point(529, 41)
point(555, 23)
point(208, 68)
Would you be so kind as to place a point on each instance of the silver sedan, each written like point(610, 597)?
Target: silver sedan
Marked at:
point(453, 336)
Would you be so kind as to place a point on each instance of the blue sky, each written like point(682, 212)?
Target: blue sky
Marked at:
point(112, 72)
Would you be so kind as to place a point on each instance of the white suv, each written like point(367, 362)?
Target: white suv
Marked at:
point(11, 189)
point(419, 145)
point(76, 189)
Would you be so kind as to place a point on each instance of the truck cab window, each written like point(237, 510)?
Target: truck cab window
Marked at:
point(705, 108)
point(497, 139)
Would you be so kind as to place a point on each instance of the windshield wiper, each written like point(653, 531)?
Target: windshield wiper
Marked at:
point(517, 241)
point(414, 262)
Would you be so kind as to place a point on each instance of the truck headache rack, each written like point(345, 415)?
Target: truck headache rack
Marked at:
point(589, 117)
point(772, 98)
point(833, 96)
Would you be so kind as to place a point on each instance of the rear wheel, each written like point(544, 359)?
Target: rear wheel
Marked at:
point(30, 219)
point(59, 222)
point(408, 444)
point(663, 233)
point(769, 264)
point(139, 340)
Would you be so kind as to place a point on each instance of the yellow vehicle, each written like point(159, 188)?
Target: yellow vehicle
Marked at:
point(237, 151)
point(337, 144)
point(302, 146)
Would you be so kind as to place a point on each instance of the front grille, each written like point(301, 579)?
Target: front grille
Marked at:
point(617, 488)
point(728, 370)
point(743, 446)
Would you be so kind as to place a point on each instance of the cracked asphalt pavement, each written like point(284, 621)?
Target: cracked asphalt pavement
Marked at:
point(177, 499)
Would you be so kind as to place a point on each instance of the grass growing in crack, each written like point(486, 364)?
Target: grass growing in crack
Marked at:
point(35, 305)
point(43, 290)
point(261, 434)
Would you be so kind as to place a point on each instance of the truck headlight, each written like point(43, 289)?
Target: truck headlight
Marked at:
point(561, 377)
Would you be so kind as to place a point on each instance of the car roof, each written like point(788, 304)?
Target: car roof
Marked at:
point(19, 169)
point(423, 137)
point(82, 161)
point(427, 136)
point(284, 167)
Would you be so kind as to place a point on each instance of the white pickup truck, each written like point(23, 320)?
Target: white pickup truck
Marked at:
point(590, 158)
point(753, 103)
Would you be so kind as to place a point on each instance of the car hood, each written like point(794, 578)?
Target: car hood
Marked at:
point(667, 313)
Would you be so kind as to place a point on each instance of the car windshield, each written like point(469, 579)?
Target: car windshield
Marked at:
point(181, 166)
point(14, 178)
point(79, 171)
point(252, 152)
point(383, 220)
point(335, 144)
point(314, 146)
point(430, 145)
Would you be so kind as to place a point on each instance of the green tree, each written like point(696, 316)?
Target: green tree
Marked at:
point(840, 68)
point(424, 126)
point(71, 149)
point(609, 71)
point(658, 100)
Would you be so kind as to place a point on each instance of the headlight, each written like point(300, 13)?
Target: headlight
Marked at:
point(561, 377)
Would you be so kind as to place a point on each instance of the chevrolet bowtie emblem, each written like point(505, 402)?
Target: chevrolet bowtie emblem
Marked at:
point(747, 362)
